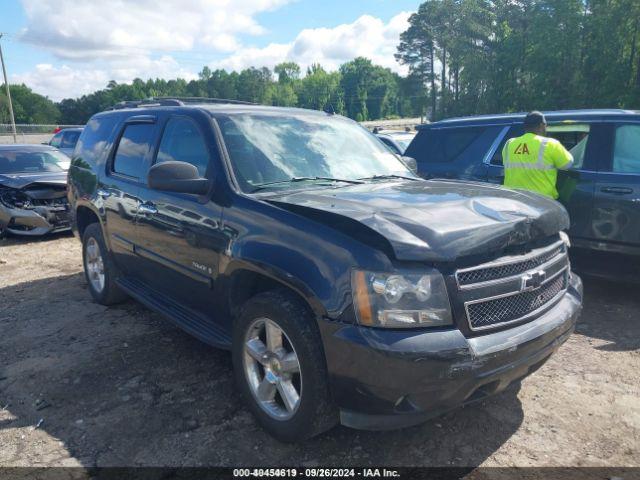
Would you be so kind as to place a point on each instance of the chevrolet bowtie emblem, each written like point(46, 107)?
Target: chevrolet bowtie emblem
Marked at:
point(533, 280)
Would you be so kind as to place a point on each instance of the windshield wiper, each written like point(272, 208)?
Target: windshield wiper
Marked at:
point(262, 186)
point(378, 177)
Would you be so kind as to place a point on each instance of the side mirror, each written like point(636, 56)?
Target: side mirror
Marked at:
point(180, 177)
point(411, 163)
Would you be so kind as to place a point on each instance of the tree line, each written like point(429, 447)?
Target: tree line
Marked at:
point(463, 56)
point(490, 56)
point(359, 89)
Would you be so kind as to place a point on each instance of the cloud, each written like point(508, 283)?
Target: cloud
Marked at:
point(366, 37)
point(65, 81)
point(84, 29)
point(124, 39)
point(57, 82)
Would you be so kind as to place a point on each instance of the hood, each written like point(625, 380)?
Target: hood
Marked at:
point(22, 180)
point(435, 220)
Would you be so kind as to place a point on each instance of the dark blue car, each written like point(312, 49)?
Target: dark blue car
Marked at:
point(601, 192)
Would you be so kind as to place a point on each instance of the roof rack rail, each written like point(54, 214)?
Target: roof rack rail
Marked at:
point(205, 100)
point(149, 102)
point(173, 102)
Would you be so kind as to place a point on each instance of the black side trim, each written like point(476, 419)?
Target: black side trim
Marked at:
point(143, 252)
point(185, 318)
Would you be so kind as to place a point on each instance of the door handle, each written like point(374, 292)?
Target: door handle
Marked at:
point(617, 190)
point(147, 209)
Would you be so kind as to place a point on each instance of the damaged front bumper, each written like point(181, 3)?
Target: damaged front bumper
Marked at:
point(383, 379)
point(34, 221)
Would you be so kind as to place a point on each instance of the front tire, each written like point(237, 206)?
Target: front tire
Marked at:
point(280, 368)
point(99, 270)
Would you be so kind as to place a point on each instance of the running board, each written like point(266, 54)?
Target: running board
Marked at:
point(188, 320)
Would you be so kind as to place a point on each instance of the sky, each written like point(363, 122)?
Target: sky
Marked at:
point(68, 48)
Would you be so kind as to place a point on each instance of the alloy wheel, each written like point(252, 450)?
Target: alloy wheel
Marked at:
point(94, 265)
point(272, 369)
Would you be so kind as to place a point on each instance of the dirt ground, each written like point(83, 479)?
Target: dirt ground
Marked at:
point(86, 385)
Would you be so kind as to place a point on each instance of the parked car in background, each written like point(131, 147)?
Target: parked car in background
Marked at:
point(33, 191)
point(601, 191)
point(396, 140)
point(65, 140)
point(348, 289)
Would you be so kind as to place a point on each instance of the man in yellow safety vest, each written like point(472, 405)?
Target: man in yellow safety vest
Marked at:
point(531, 162)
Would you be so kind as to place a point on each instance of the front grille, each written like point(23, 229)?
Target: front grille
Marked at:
point(485, 274)
point(489, 313)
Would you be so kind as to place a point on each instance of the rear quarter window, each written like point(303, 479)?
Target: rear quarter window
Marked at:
point(446, 145)
point(96, 136)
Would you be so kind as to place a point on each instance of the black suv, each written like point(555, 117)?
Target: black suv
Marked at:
point(601, 191)
point(347, 289)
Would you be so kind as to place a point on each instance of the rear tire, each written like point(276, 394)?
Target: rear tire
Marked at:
point(99, 270)
point(284, 382)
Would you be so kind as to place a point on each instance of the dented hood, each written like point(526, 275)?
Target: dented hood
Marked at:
point(436, 220)
point(21, 180)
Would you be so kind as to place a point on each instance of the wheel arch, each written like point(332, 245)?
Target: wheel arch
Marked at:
point(84, 217)
point(246, 281)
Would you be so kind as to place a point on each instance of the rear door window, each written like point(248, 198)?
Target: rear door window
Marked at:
point(133, 148)
point(574, 137)
point(626, 150)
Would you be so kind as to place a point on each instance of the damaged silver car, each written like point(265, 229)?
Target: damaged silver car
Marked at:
point(33, 189)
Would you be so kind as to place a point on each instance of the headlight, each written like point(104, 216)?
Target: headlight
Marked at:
point(406, 300)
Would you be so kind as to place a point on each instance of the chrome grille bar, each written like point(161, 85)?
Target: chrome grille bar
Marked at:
point(506, 269)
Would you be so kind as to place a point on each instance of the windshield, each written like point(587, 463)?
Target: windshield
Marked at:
point(21, 161)
point(274, 149)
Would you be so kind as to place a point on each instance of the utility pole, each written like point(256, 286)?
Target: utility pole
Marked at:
point(6, 84)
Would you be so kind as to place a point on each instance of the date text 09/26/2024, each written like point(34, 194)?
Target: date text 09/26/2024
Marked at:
point(315, 473)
